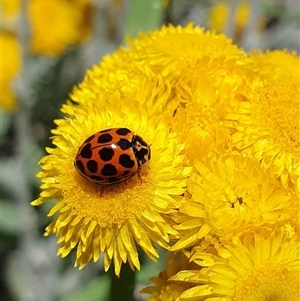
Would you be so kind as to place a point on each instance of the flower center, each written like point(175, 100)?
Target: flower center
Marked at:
point(276, 112)
point(270, 282)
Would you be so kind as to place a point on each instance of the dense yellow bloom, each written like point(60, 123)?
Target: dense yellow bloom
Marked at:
point(206, 93)
point(10, 65)
point(183, 55)
point(126, 76)
point(115, 219)
point(231, 195)
point(261, 266)
point(273, 64)
point(268, 127)
point(187, 43)
point(173, 49)
point(165, 290)
point(195, 55)
point(203, 130)
point(201, 116)
point(58, 24)
point(220, 74)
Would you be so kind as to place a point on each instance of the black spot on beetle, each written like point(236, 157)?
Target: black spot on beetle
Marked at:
point(105, 138)
point(123, 131)
point(106, 153)
point(126, 161)
point(92, 166)
point(79, 165)
point(124, 144)
point(109, 170)
point(86, 151)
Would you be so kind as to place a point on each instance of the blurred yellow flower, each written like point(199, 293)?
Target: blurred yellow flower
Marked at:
point(219, 14)
point(115, 219)
point(58, 24)
point(10, 65)
point(260, 266)
point(230, 195)
point(10, 6)
point(9, 12)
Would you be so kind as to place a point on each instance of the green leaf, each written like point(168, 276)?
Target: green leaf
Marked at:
point(143, 15)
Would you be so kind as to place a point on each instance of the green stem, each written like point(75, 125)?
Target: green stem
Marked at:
point(122, 287)
point(143, 15)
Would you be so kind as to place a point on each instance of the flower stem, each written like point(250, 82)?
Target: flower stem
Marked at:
point(122, 287)
point(143, 15)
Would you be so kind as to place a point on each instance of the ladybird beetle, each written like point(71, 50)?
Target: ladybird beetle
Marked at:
point(111, 156)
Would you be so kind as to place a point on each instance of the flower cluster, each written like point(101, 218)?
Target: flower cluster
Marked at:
point(221, 190)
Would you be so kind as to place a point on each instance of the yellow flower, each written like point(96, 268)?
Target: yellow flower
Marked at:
point(230, 195)
point(85, 16)
point(184, 43)
point(116, 219)
point(273, 64)
point(200, 118)
point(212, 58)
point(10, 65)
point(261, 266)
point(202, 129)
point(58, 24)
point(165, 290)
point(206, 93)
point(268, 127)
point(9, 12)
point(212, 81)
point(171, 49)
point(10, 6)
point(126, 76)
point(182, 56)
